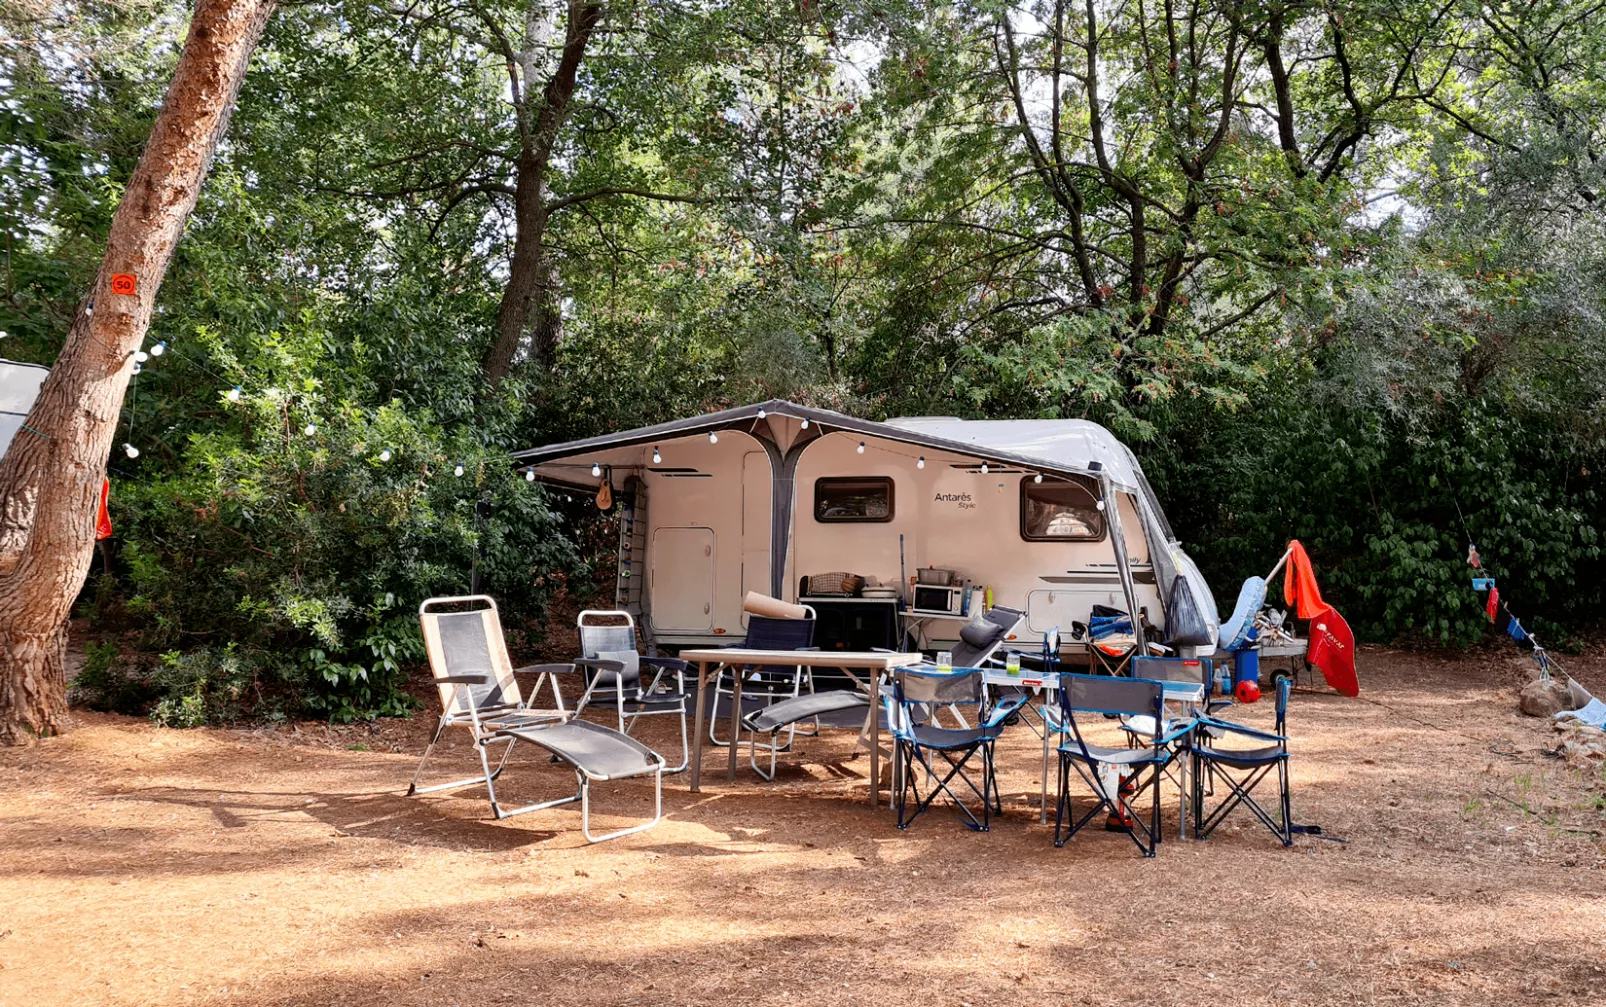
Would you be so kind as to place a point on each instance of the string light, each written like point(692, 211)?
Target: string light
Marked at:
point(233, 394)
point(861, 447)
point(458, 470)
point(713, 438)
point(983, 468)
point(761, 413)
point(657, 459)
point(140, 356)
point(138, 368)
point(130, 450)
point(1099, 505)
point(312, 428)
point(596, 470)
point(921, 462)
point(529, 474)
point(1037, 478)
point(159, 349)
point(805, 424)
point(384, 455)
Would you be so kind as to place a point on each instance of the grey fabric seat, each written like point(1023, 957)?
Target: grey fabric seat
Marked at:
point(1093, 754)
point(1247, 758)
point(787, 712)
point(603, 753)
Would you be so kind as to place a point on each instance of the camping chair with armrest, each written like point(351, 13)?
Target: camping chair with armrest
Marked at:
point(1243, 769)
point(1101, 767)
point(615, 642)
point(978, 646)
point(763, 686)
point(943, 753)
point(479, 692)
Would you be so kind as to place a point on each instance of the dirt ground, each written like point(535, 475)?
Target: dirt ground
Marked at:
point(285, 866)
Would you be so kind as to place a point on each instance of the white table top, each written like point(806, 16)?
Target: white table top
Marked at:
point(807, 658)
point(1182, 692)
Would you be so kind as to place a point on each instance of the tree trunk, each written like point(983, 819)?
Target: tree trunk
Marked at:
point(532, 276)
point(50, 478)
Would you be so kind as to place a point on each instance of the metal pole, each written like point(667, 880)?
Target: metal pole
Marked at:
point(1112, 517)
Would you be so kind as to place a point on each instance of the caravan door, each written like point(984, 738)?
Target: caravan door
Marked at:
point(683, 579)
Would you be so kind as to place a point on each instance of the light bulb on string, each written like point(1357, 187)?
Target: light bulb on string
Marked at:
point(384, 455)
point(596, 470)
point(861, 447)
point(138, 368)
point(458, 470)
point(233, 394)
point(713, 438)
point(529, 475)
point(805, 424)
point(983, 468)
point(311, 429)
point(657, 459)
point(159, 349)
point(130, 450)
point(762, 413)
point(1099, 505)
point(1037, 478)
point(140, 356)
point(920, 462)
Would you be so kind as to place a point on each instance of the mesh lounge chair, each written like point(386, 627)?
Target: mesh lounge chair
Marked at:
point(1101, 767)
point(616, 642)
point(479, 692)
point(942, 752)
point(1243, 769)
point(764, 686)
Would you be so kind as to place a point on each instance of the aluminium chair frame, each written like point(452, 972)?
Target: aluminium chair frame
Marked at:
point(618, 688)
point(1255, 766)
point(1145, 697)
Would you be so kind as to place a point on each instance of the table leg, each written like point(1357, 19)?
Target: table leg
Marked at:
point(738, 672)
point(1042, 800)
point(697, 735)
point(875, 735)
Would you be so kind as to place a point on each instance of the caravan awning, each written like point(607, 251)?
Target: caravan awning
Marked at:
point(1067, 447)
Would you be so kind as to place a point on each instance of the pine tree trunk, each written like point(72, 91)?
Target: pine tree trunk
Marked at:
point(50, 478)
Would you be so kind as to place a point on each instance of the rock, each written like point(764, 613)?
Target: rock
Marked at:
point(1545, 698)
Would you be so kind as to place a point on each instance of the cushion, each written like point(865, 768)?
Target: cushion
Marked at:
point(980, 635)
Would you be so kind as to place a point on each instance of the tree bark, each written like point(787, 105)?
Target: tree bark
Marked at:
point(50, 478)
point(532, 277)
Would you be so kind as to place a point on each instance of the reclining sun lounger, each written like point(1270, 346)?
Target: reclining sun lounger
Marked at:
point(978, 642)
point(478, 690)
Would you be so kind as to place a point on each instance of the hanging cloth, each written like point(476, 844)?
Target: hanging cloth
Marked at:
point(103, 517)
point(1299, 583)
point(1332, 649)
point(1493, 608)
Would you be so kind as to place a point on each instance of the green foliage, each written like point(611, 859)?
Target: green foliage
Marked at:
point(1353, 330)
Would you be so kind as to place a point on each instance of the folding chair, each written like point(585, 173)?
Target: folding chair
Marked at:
point(979, 643)
point(1243, 769)
point(478, 691)
point(615, 641)
point(1110, 640)
point(1102, 767)
point(764, 686)
point(942, 752)
point(788, 713)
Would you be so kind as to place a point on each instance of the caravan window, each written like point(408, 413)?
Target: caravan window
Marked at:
point(1060, 510)
point(865, 498)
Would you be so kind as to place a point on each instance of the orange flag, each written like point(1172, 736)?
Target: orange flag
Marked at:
point(103, 519)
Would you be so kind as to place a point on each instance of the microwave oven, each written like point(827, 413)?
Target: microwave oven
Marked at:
point(948, 600)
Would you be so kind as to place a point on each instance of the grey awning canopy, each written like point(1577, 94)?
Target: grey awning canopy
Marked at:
point(1069, 447)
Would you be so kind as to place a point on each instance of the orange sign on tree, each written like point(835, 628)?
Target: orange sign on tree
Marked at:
point(124, 283)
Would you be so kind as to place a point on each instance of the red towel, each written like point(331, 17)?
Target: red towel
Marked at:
point(103, 518)
point(1299, 583)
point(1493, 608)
point(1332, 649)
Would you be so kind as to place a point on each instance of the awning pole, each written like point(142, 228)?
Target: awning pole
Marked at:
point(1112, 517)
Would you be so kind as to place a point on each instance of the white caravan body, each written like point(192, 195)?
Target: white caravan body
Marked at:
point(755, 498)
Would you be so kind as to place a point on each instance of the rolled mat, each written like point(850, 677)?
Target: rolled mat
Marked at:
point(763, 604)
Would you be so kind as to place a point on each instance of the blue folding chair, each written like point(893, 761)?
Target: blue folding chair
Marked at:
point(1100, 766)
point(1243, 769)
point(943, 753)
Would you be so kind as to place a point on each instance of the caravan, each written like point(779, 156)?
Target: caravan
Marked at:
point(895, 532)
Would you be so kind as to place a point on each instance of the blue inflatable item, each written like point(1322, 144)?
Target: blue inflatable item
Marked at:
point(1235, 632)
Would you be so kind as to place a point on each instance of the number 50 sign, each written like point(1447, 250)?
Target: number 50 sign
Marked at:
point(124, 283)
